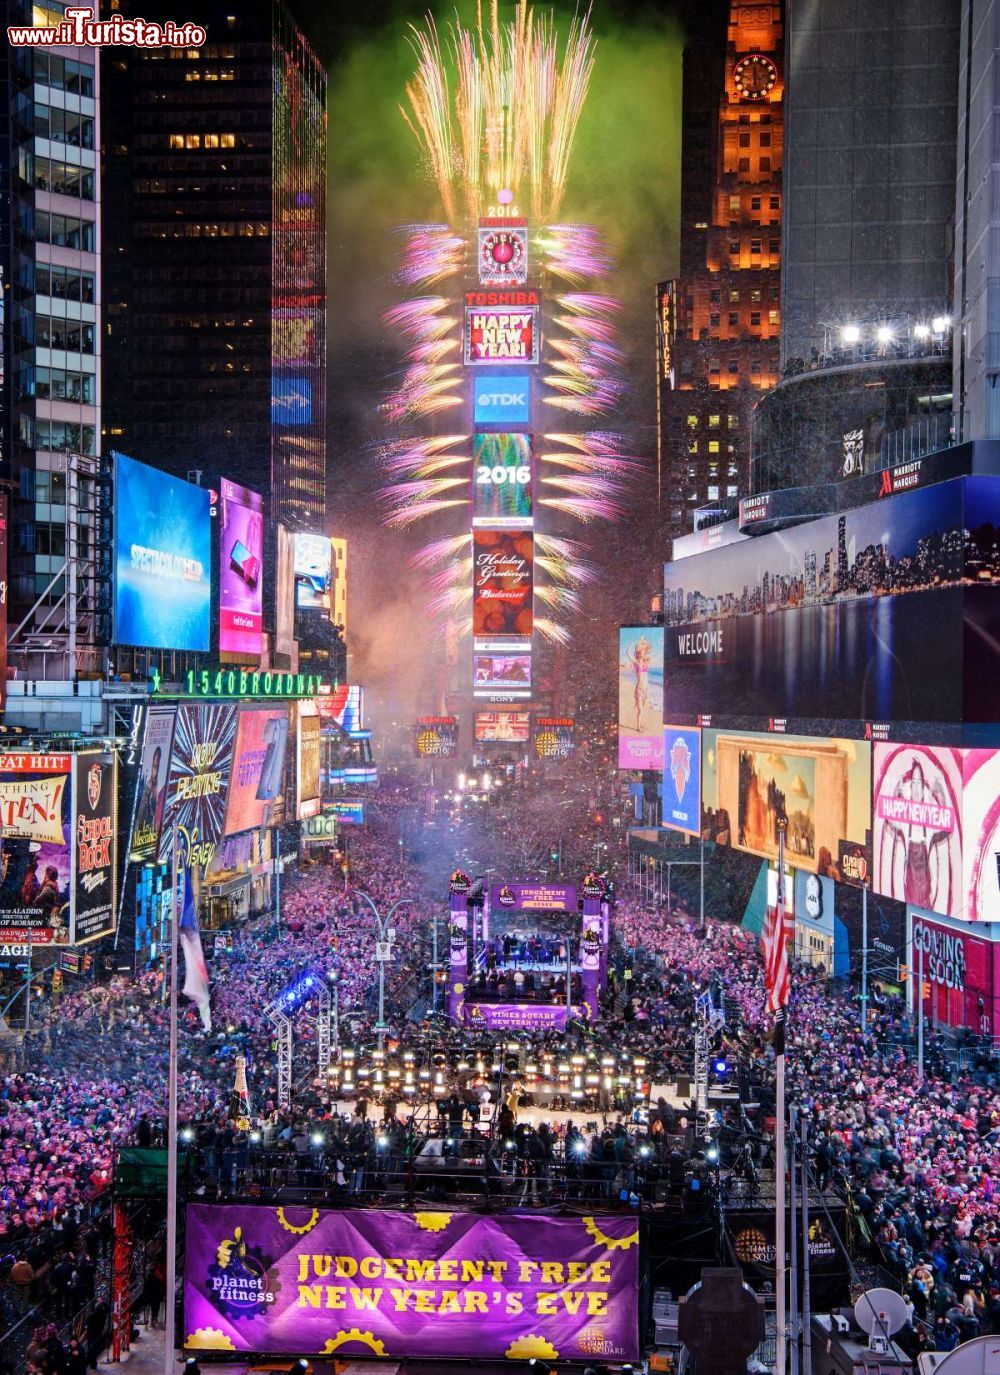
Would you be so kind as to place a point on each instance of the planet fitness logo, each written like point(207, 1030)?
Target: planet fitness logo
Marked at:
point(239, 1282)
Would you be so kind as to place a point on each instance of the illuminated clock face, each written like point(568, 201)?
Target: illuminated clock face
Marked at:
point(754, 76)
point(503, 256)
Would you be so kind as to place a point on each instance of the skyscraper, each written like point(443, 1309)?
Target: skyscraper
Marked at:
point(50, 413)
point(718, 324)
point(216, 199)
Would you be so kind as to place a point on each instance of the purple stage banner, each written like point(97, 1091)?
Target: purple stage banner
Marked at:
point(519, 1016)
point(310, 1282)
point(533, 897)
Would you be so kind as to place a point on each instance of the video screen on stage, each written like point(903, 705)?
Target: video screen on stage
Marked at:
point(501, 483)
point(163, 559)
point(357, 1284)
point(437, 737)
point(503, 584)
point(241, 581)
point(502, 727)
point(640, 697)
point(823, 786)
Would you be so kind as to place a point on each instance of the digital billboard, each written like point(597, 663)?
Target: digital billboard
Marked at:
point(501, 327)
point(554, 737)
point(36, 843)
point(258, 768)
point(960, 970)
point(502, 727)
point(151, 788)
point(437, 737)
point(503, 252)
point(503, 572)
point(640, 697)
point(823, 786)
point(241, 583)
point(981, 817)
point(93, 907)
point(832, 618)
point(313, 572)
point(343, 706)
point(507, 673)
point(917, 826)
point(284, 594)
point(291, 401)
point(307, 760)
point(348, 811)
point(355, 1283)
point(501, 398)
point(501, 483)
point(200, 765)
point(4, 554)
point(163, 559)
point(682, 779)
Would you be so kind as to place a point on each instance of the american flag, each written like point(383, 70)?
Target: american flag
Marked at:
point(775, 946)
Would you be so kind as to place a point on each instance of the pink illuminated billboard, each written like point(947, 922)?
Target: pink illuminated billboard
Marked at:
point(241, 584)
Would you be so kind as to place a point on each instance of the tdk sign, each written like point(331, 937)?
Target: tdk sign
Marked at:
point(502, 399)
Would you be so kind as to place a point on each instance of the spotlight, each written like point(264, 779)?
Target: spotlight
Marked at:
point(255, 1137)
point(644, 1151)
point(191, 1367)
point(508, 1145)
point(712, 1154)
point(300, 1367)
point(721, 1067)
point(922, 331)
point(580, 1148)
point(850, 334)
point(187, 1134)
point(382, 1142)
point(317, 1138)
point(940, 323)
point(883, 334)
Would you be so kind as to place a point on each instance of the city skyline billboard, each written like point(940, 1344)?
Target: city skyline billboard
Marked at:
point(410, 1285)
point(917, 826)
point(151, 788)
point(830, 618)
point(241, 580)
point(258, 768)
point(640, 697)
point(313, 571)
point(162, 560)
point(437, 737)
point(36, 846)
point(501, 486)
point(823, 786)
point(503, 585)
point(502, 727)
point(93, 906)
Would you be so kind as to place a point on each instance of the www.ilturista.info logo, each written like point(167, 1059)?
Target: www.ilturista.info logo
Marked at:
point(82, 28)
point(239, 1281)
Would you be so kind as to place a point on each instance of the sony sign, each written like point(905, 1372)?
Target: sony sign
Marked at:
point(501, 399)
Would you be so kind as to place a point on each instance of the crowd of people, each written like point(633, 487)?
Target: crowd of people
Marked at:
point(918, 1157)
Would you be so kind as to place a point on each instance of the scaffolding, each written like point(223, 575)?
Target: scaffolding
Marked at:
point(281, 1011)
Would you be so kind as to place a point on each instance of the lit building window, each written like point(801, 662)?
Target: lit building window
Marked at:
point(192, 140)
point(713, 446)
point(714, 421)
point(177, 140)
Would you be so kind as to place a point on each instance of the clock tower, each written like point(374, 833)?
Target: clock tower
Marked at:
point(718, 324)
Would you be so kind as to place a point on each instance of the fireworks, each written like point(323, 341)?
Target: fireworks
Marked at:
point(432, 254)
point(497, 106)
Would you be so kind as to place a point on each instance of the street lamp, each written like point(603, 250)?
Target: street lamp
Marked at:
point(383, 925)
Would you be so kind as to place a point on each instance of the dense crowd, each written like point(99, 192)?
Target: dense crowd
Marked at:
point(919, 1158)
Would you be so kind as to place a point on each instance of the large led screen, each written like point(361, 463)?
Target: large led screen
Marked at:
point(682, 779)
point(981, 817)
point(151, 789)
point(554, 737)
point(502, 727)
point(503, 572)
point(163, 559)
point(917, 826)
point(95, 846)
point(501, 398)
point(749, 779)
point(356, 1283)
point(258, 772)
point(508, 673)
point(308, 748)
point(640, 697)
point(501, 327)
point(200, 764)
point(313, 572)
point(437, 737)
point(856, 616)
point(501, 483)
point(241, 583)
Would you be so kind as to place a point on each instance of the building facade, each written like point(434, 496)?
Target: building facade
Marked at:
point(50, 416)
point(216, 190)
point(718, 324)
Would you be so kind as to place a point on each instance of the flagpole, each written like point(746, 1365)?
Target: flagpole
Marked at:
point(171, 1266)
point(781, 1276)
